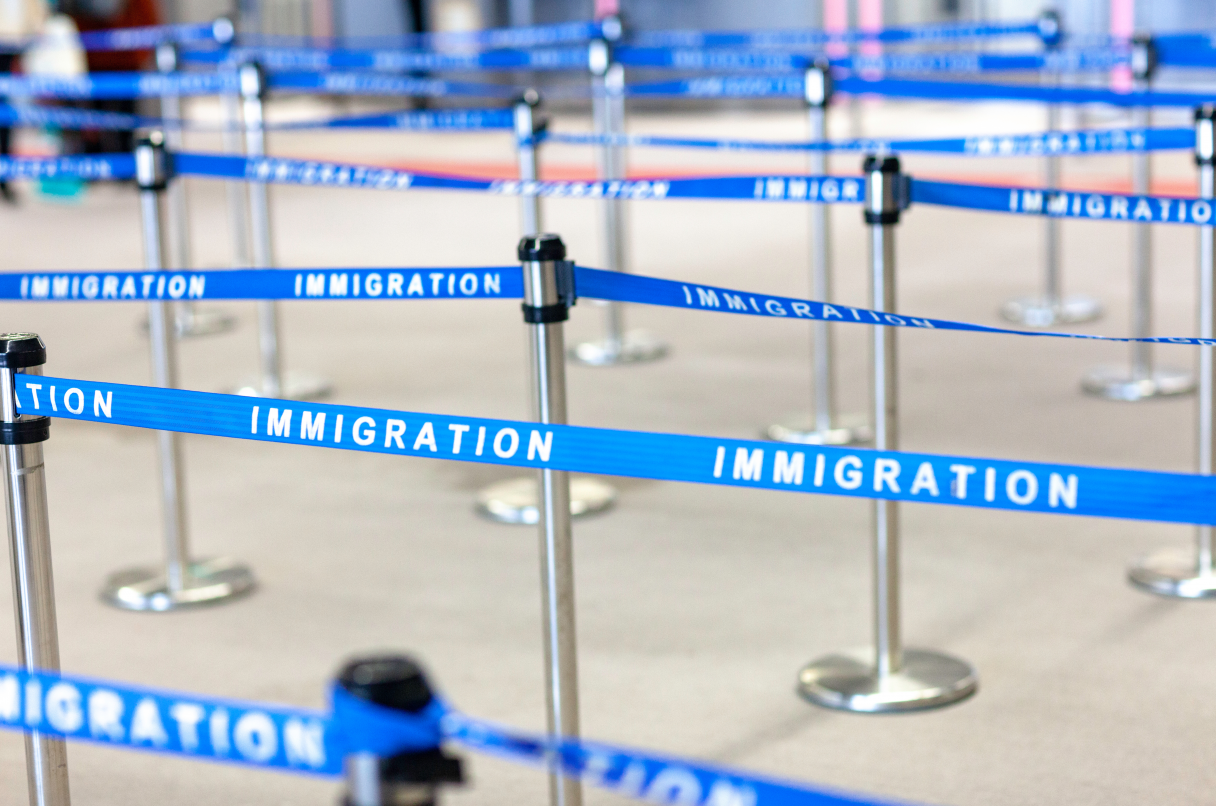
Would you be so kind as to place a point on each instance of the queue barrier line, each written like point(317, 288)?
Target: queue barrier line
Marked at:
point(1091, 141)
point(320, 59)
point(476, 282)
point(120, 85)
point(306, 741)
point(801, 38)
point(490, 39)
point(996, 484)
point(788, 188)
point(793, 86)
point(140, 38)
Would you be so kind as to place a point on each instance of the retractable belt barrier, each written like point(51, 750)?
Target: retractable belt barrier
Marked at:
point(942, 32)
point(288, 739)
point(822, 189)
point(794, 86)
point(480, 282)
point(394, 60)
point(154, 85)
point(219, 32)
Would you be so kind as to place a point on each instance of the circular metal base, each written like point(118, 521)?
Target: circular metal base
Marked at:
point(515, 501)
point(636, 346)
point(847, 682)
point(208, 582)
point(849, 430)
point(1174, 573)
point(1117, 383)
point(296, 386)
point(1040, 312)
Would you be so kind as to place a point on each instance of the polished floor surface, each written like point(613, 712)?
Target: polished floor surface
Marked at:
point(697, 606)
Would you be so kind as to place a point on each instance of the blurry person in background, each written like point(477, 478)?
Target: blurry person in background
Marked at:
point(93, 15)
point(20, 21)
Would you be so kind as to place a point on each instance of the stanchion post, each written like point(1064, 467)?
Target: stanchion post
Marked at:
point(890, 677)
point(1141, 380)
point(1053, 307)
point(398, 683)
point(1183, 574)
point(182, 583)
point(29, 539)
point(189, 320)
point(516, 501)
point(527, 133)
point(238, 201)
point(274, 381)
point(619, 345)
point(548, 295)
point(821, 428)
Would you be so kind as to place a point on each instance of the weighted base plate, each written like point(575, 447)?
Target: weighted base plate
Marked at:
point(208, 582)
point(515, 501)
point(1117, 383)
point(1040, 312)
point(927, 680)
point(1174, 573)
point(636, 346)
point(849, 430)
point(296, 386)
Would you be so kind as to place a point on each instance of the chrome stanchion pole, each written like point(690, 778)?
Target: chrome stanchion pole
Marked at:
point(189, 320)
point(619, 345)
point(238, 202)
point(274, 381)
point(821, 428)
point(414, 777)
point(1141, 380)
point(548, 295)
point(889, 677)
point(29, 540)
point(1053, 308)
point(1183, 574)
point(183, 582)
point(515, 500)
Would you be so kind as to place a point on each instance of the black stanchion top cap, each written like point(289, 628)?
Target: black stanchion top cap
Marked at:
point(20, 350)
point(535, 248)
point(887, 165)
point(1205, 112)
point(393, 681)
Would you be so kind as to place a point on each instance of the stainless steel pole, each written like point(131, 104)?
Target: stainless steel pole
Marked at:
point(189, 320)
point(821, 428)
point(547, 297)
point(516, 501)
point(29, 536)
point(182, 583)
point(1053, 307)
point(273, 382)
point(619, 345)
point(1178, 573)
point(889, 678)
point(238, 202)
point(1141, 380)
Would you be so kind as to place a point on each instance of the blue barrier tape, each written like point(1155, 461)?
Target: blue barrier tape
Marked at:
point(826, 189)
point(492, 39)
point(218, 32)
point(792, 86)
point(443, 119)
point(1092, 141)
point(802, 38)
point(154, 85)
point(1185, 50)
point(117, 85)
point(138, 718)
point(320, 59)
point(927, 478)
point(489, 282)
point(287, 739)
point(372, 84)
point(966, 63)
point(1065, 204)
point(101, 166)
